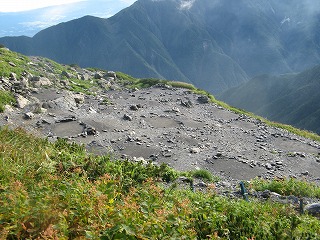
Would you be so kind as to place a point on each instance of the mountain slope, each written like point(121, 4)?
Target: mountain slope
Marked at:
point(211, 43)
point(142, 41)
point(293, 99)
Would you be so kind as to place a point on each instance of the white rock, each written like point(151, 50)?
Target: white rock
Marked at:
point(21, 101)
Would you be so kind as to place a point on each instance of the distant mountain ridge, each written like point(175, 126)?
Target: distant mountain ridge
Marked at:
point(292, 98)
point(30, 22)
point(213, 44)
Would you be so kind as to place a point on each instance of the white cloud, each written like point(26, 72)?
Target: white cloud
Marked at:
point(25, 5)
point(43, 23)
point(128, 1)
point(186, 4)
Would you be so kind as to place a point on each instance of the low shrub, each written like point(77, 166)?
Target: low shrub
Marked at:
point(58, 191)
point(288, 186)
point(203, 174)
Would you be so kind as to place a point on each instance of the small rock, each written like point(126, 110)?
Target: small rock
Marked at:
point(66, 119)
point(66, 74)
point(306, 173)
point(175, 109)
point(98, 75)
point(266, 194)
point(127, 117)
point(203, 99)
point(91, 131)
point(134, 107)
point(268, 166)
point(84, 76)
point(24, 83)
point(29, 115)
point(140, 159)
point(12, 64)
point(79, 98)
point(13, 76)
point(187, 104)
point(124, 156)
point(112, 74)
point(41, 110)
point(195, 150)
point(303, 155)
point(201, 185)
point(153, 157)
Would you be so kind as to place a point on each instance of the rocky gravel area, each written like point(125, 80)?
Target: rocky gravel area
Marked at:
point(169, 125)
point(163, 125)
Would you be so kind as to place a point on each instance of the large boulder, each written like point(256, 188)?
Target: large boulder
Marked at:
point(313, 209)
point(40, 81)
point(21, 101)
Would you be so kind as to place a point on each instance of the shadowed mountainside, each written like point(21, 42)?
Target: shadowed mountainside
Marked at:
point(213, 44)
point(292, 98)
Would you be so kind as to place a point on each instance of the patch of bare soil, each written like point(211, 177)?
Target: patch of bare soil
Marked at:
point(172, 126)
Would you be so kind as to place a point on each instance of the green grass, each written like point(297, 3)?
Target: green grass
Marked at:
point(177, 84)
point(289, 128)
point(7, 57)
point(204, 175)
point(82, 86)
point(286, 187)
point(139, 83)
point(6, 98)
point(59, 191)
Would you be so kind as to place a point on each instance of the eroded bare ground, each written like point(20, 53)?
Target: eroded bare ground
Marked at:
point(171, 125)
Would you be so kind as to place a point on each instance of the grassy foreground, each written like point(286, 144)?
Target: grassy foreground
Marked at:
point(58, 191)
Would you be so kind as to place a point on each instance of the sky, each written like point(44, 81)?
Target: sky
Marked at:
point(26, 5)
point(28, 17)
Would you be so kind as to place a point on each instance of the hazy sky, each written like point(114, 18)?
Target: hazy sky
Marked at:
point(27, 17)
point(25, 5)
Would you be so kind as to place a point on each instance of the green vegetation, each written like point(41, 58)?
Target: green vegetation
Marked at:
point(54, 67)
point(289, 128)
point(106, 101)
point(74, 65)
point(181, 85)
point(58, 191)
point(287, 187)
point(6, 98)
point(82, 86)
point(204, 174)
point(12, 62)
point(131, 82)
